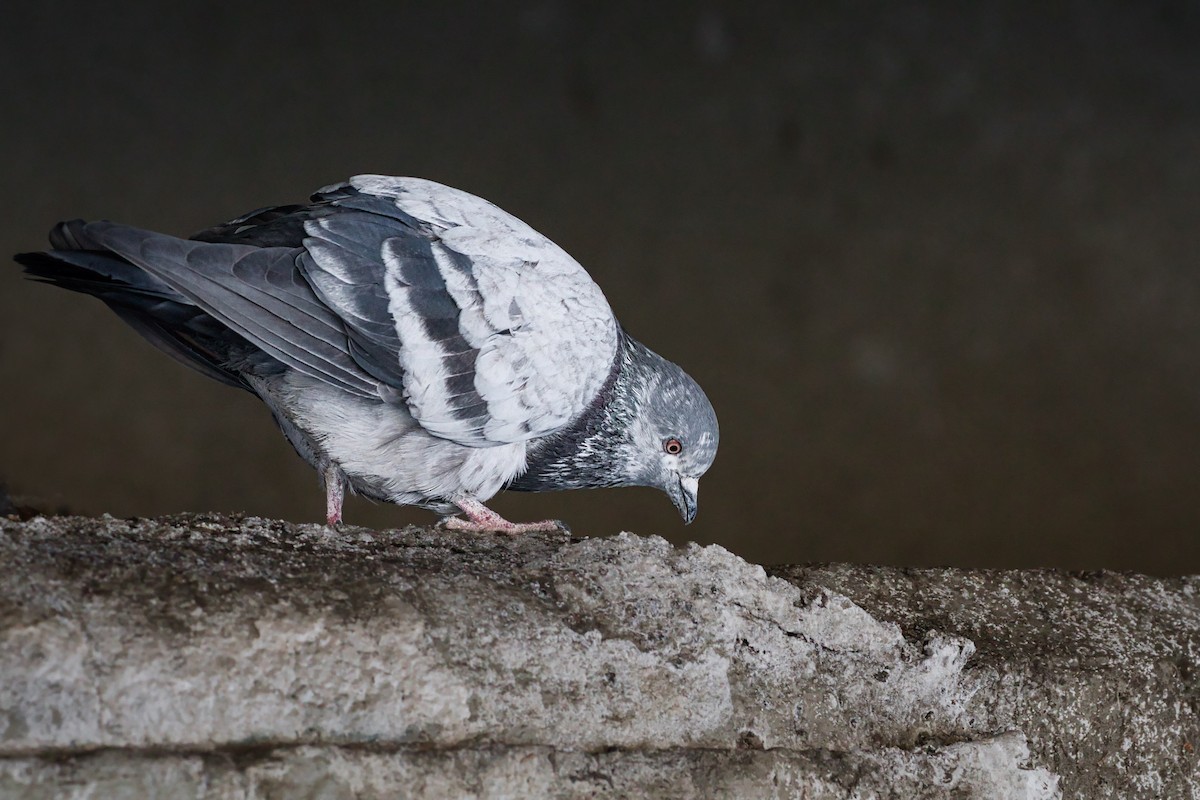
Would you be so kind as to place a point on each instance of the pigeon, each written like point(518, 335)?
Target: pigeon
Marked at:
point(415, 344)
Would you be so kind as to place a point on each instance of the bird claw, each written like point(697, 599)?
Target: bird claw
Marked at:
point(481, 519)
point(501, 525)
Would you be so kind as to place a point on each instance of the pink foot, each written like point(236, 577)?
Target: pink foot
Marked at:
point(481, 519)
point(335, 493)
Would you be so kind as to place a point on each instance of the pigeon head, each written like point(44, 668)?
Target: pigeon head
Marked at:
point(670, 431)
point(673, 435)
point(651, 426)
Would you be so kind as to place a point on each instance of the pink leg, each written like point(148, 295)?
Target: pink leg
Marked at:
point(335, 493)
point(481, 519)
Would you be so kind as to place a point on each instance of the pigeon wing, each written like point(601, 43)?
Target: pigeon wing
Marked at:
point(491, 332)
point(256, 292)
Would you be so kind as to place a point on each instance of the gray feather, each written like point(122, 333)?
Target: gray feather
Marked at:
point(251, 290)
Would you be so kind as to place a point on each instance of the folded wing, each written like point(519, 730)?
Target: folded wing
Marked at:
point(403, 289)
point(490, 330)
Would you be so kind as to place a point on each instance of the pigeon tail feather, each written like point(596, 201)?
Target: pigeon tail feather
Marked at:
point(161, 315)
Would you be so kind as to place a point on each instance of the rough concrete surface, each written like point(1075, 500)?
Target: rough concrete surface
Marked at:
point(237, 657)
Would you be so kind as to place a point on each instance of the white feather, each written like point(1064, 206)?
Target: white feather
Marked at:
point(546, 335)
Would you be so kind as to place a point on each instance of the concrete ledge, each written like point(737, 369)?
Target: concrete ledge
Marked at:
point(228, 657)
point(976, 769)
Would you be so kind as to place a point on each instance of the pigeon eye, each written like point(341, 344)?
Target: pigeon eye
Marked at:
point(673, 447)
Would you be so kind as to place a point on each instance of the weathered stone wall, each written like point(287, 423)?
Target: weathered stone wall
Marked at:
point(243, 658)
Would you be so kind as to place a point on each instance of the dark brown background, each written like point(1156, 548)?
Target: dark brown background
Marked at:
point(935, 263)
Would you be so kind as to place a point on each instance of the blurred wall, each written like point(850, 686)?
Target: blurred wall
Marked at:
point(935, 263)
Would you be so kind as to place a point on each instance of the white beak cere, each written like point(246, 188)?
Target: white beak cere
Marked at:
point(690, 485)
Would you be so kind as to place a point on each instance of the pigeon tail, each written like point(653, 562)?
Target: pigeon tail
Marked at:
point(161, 315)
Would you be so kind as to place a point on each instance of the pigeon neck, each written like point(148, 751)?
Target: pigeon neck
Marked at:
point(595, 450)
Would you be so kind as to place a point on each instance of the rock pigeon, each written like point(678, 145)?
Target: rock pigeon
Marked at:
point(414, 342)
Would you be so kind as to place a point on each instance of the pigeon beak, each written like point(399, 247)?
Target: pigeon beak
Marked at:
point(683, 495)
